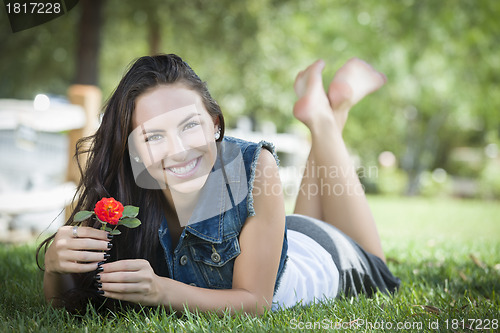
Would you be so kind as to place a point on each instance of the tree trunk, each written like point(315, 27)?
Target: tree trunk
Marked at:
point(87, 57)
point(154, 36)
point(422, 150)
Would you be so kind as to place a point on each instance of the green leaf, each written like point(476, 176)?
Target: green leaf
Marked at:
point(82, 215)
point(130, 222)
point(115, 232)
point(98, 219)
point(130, 211)
point(108, 229)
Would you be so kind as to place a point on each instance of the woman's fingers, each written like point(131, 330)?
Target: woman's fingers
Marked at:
point(71, 254)
point(88, 244)
point(120, 277)
point(72, 261)
point(131, 265)
point(82, 256)
point(73, 267)
point(129, 297)
point(65, 261)
point(126, 275)
point(88, 239)
point(84, 232)
point(130, 280)
point(125, 288)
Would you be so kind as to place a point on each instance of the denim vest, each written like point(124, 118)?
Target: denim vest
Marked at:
point(208, 245)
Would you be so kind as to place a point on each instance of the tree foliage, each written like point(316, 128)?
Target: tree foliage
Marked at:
point(441, 59)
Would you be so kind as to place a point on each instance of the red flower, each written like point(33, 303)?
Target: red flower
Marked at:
point(109, 210)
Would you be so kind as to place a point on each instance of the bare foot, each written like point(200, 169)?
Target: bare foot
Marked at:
point(351, 83)
point(313, 103)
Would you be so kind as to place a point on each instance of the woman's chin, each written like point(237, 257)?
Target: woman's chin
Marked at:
point(191, 186)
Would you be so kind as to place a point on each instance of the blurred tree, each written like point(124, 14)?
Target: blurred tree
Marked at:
point(217, 39)
point(442, 61)
point(442, 75)
point(88, 42)
point(37, 60)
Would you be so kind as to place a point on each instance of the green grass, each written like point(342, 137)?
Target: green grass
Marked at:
point(447, 253)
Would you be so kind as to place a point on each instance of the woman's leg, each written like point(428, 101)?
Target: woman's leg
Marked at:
point(342, 97)
point(308, 202)
point(353, 81)
point(340, 198)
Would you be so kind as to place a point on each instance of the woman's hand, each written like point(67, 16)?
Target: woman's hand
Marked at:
point(70, 254)
point(131, 280)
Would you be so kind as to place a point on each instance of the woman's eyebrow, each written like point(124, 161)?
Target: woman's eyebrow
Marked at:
point(191, 115)
point(152, 130)
point(188, 117)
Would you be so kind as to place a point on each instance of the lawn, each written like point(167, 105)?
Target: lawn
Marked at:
point(447, 253)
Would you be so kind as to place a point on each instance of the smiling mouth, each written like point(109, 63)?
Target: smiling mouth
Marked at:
point(185, 170)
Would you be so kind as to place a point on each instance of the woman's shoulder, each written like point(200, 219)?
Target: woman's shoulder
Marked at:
point(243, 144)
point(251, 150)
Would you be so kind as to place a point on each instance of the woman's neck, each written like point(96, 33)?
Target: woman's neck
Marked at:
point(183, 204)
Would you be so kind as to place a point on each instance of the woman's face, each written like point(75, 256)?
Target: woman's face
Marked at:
point(174, 137)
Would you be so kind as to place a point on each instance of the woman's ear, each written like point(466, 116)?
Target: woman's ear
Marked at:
point(217, 129)
point(216, 121)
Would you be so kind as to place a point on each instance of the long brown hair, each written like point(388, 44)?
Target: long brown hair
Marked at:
point(108, 172)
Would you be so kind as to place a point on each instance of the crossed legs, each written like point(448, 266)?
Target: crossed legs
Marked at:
point(341, 200)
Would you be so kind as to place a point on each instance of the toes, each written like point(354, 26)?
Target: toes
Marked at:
point(353, 81)
point(299, 86)
point(383, 77)
point(309, 77)
point(316, 67)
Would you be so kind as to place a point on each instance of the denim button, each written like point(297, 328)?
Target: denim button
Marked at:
point(215, 257)
point(184, 260)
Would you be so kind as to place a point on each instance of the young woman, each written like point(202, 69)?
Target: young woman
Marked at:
point(214, 235)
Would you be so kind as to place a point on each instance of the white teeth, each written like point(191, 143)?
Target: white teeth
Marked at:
point(185, 169)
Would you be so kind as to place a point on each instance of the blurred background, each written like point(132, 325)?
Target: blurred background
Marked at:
point(433, 130)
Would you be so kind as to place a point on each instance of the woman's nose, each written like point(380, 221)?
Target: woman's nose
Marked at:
point(177, 149)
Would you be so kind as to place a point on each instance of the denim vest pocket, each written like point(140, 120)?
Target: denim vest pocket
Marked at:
point(216, 261)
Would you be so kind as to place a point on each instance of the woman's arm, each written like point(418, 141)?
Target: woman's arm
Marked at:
point(67, 254)
point(135, 281)
point(54, 287)
point(261, 238)
point(255, 269)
